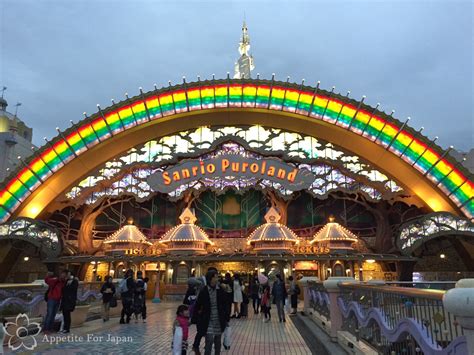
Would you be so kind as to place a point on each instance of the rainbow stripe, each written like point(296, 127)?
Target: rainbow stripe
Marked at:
point(318, 104)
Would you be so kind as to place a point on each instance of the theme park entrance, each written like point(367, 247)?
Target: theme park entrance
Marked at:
point(245, 175)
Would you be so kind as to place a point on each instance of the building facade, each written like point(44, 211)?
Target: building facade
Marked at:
point(15, 140)
point(246, 175)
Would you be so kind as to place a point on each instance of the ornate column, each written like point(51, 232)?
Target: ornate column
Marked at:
point(331, 285)
point(156, 297)
point(460, 302)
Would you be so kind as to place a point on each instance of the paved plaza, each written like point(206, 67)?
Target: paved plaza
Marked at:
point(250, 336)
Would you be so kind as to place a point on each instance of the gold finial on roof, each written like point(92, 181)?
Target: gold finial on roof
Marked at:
point(272, 216)
point(187, 217)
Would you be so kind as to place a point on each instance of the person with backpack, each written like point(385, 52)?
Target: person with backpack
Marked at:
point(190, 298)
point(108, 292)
point(127, 290)
point(68, 300)
point(139, 297)
point(294, 293)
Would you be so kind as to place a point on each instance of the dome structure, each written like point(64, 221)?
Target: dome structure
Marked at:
point(335, 237)
point(186, 238)
point(273, 237)
point(129, 236)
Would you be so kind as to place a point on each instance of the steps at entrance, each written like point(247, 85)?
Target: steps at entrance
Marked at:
point(316, 339)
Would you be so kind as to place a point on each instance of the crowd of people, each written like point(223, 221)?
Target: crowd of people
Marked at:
point(132, 292)
point(211, 302)
point(61, 296)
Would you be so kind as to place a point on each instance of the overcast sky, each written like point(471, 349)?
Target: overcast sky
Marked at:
point(61, 58)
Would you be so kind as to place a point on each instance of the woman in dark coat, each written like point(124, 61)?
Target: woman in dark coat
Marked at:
point(68, 300)
point(108, 291)
point(229, 296)
point(213, 327)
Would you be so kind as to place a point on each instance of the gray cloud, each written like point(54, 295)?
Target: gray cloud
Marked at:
point(62, 58)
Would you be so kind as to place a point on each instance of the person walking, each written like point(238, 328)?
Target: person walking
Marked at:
point(108, 293)
point(210, 313)
point(146, 279)
point(294, 293)
point(182, 321)
point(53, 297)
point(255, 294)
point(190, 298)
point(229, 286)
point(139, 297)
point(200, 284)
point(68, 300)
point(266, 304)
point(127, 289)
point(238, 296)
point(279, 295)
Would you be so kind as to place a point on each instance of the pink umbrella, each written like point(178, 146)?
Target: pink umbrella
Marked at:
point(262, 279)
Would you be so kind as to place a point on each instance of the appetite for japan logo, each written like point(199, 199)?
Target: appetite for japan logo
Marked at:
point(22, 333)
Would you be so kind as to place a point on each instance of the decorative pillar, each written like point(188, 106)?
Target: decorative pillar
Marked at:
point(156, 297)
point(331, 285)
point(460, 302)
point(361, 273)
point(406, 270)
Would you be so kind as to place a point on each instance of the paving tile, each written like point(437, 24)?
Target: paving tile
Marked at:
point(249, 336)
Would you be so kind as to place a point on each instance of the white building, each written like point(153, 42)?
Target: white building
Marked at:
point(15, 140)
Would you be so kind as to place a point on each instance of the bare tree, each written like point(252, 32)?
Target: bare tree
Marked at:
point(89, 214)
point(280, 204)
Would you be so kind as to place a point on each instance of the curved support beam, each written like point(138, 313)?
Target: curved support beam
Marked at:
point(415, 162)
point(401, 329)
point(44, 236)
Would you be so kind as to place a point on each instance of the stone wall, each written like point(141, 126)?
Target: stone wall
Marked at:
point(27, 271)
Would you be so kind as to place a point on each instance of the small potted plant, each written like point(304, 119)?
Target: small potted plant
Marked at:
point(79, 316)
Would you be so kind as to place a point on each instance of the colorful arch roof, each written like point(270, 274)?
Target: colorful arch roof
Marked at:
point(429, 159)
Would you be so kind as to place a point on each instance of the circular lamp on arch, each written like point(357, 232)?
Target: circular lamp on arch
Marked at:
point(273, 237)
point(335, 237)
point(186, 238)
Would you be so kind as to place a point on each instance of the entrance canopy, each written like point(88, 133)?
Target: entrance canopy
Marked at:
point(402, 153)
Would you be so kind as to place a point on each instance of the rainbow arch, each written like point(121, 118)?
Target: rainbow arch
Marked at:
point(426, 157)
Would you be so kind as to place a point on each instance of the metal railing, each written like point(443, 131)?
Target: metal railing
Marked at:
point(319, 300)
point(389, 318)
point(372, 312)
point(425, 285)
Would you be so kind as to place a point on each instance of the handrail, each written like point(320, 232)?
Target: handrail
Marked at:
point(420, 282)
point(404, 291)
